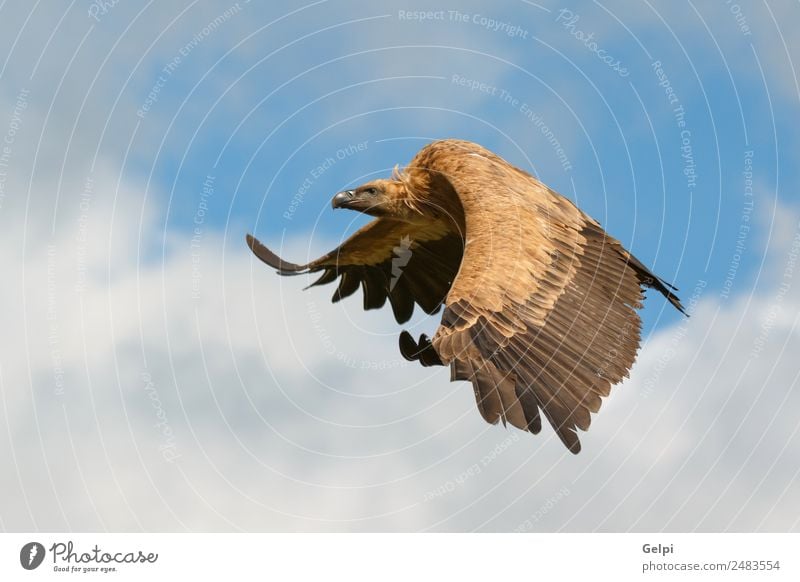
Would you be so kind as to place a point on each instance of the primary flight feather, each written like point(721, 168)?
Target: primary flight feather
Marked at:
point(539, 302)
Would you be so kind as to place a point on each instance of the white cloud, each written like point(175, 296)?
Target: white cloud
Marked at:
point(273, 431)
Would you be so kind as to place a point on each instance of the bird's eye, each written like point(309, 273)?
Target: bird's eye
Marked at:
point(370, 191)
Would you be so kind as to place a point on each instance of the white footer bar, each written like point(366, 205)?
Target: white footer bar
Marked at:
point(406, 557)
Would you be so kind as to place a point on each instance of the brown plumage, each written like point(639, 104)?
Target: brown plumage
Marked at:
point(539, 302)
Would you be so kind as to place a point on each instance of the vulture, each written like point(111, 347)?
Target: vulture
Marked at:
point(539, 304)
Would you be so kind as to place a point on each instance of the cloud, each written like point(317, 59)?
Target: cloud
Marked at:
point(205, 393)
point(146, 384)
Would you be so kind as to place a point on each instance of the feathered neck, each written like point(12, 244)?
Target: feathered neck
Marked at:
point(429, 193)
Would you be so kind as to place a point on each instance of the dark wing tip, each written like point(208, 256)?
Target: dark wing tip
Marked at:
point(408, 347)
point(271, 259)
point(574, 447)
point(673, 299)
point(423, 351)
point(569, 437)
point(666, 290)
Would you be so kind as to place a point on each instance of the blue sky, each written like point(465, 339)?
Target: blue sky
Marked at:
point(140, 129)
point(259, 106)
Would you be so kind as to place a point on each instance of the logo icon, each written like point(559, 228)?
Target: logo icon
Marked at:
point(402, 254)
point(31, 555)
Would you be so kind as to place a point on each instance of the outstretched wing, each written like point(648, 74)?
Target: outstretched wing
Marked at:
point(542, 313)
point(388, 259)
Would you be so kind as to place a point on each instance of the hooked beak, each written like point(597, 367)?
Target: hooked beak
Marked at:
point(342, 199)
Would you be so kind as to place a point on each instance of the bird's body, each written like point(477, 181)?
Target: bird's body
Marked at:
point(539, 302)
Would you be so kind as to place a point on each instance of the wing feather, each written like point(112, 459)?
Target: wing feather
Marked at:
point(401, 297)
point(544, 299)
point(540, 303)
point(370, 259)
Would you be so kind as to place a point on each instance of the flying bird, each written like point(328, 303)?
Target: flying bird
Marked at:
point(539, 302)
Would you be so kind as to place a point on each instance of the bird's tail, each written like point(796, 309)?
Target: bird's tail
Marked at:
point(648, 279)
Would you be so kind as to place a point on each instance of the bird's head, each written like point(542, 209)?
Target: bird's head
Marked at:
point(378, 198)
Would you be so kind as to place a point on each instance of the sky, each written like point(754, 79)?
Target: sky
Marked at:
point(154, 376)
